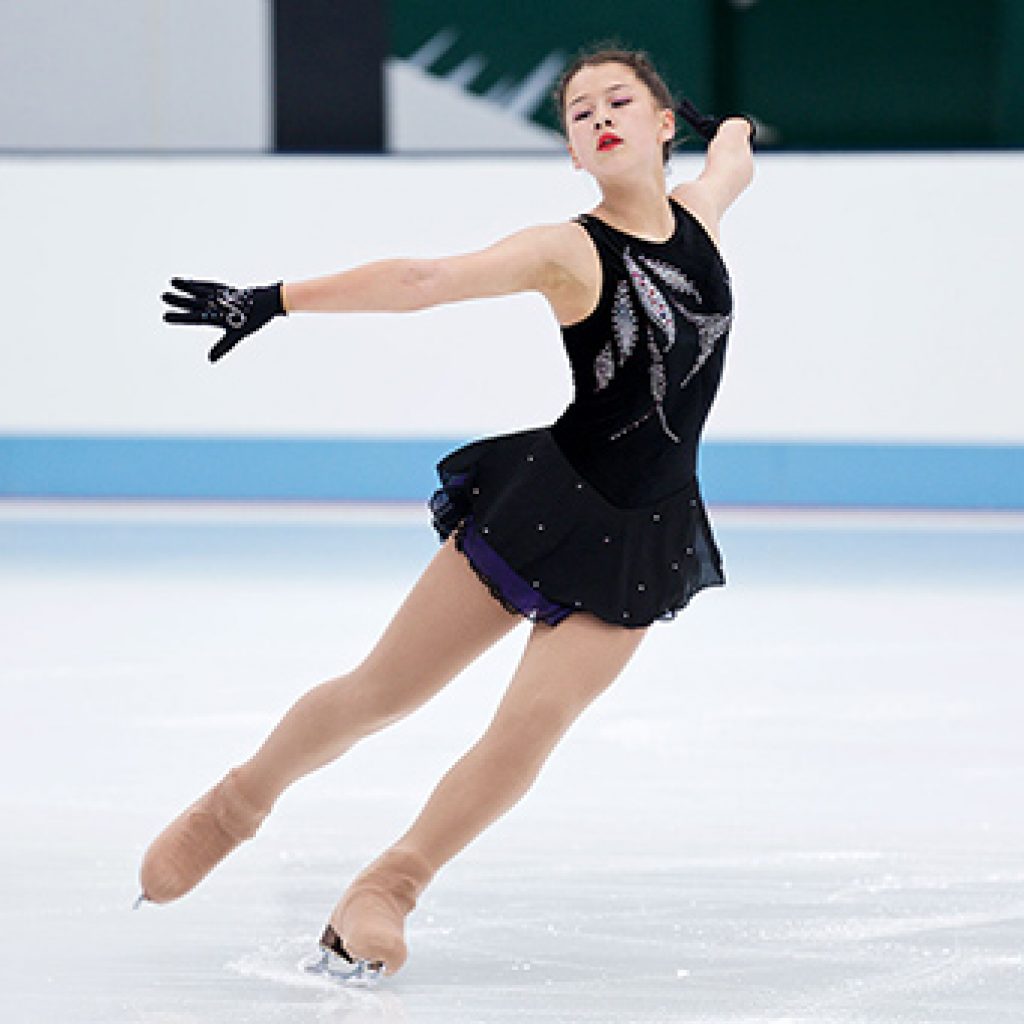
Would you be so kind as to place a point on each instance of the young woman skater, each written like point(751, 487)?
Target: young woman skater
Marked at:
point(592, 528)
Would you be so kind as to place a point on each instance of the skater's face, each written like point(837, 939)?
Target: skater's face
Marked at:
point(609, 98)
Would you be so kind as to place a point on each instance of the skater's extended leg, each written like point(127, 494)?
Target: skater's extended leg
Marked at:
point(445, 622)
point(562, 670)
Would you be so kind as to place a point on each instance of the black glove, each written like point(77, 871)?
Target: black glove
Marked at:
point(704, 124)
point(241, 311)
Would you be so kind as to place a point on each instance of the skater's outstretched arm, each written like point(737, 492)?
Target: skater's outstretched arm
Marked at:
point(532, 259)
point(528, 260)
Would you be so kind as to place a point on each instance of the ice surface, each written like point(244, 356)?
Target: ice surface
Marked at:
point(800, 802)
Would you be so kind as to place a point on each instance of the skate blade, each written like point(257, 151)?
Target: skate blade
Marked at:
point(328, 964)
point(334, 961)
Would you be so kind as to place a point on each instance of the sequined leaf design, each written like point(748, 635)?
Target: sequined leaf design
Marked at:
point(661, 324)
point(651, 299)
point(624, 323)
point(659, 384)
point(625, 329)
point(710, 327)
point(673, 277)
point(604, 366)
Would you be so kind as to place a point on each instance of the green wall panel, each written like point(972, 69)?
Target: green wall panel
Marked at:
point(513, 40)
point(870, 73)
point(821, 74)
point(1008, 115)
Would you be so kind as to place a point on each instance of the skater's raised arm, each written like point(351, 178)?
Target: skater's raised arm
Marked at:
point(728, 165)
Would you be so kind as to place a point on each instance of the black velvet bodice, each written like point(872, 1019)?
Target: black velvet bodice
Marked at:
point(647, 362)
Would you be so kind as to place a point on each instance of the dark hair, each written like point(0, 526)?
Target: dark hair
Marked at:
point(637, 60)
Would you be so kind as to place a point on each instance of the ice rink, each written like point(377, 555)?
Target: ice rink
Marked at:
point(801, 802)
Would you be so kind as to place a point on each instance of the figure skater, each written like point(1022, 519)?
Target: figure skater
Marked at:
point(592, 528)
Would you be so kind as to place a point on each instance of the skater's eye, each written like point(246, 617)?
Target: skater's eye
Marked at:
point(615, 103)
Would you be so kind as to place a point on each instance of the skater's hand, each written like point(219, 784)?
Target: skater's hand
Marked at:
point(706, 125)
point(240, 311)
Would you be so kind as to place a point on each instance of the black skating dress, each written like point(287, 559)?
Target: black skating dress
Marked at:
point(601, 511)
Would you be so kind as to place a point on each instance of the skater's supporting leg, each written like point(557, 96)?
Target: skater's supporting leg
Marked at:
point(562, 670)
point(446, 621)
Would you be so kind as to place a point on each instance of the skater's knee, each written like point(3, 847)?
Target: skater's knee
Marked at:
point(371, 699)
point(347, 699)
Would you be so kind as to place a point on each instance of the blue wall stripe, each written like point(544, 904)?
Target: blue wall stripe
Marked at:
point(732, 473)
point(868, 475)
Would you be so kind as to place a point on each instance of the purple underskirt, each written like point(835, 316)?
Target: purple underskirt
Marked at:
point(516, 591)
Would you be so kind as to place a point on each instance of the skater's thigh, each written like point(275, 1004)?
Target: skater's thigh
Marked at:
point(446, 621)
point(563, 669)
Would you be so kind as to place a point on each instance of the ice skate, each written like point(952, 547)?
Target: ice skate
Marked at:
point(334, 961)
point(197, 841)
point(365, 935)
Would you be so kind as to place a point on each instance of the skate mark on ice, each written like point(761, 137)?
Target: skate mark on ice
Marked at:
point(280, 962)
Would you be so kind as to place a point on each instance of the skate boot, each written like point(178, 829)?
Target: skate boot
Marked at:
point(197, 841)
point(365, 936)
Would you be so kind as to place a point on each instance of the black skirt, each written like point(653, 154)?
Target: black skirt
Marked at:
point(547, 543)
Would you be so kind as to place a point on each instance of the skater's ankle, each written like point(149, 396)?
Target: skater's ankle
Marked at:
point(248, 785)
point(411, 860)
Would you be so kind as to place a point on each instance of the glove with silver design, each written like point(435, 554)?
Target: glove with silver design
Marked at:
point(240, 311)
point(705, 125)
